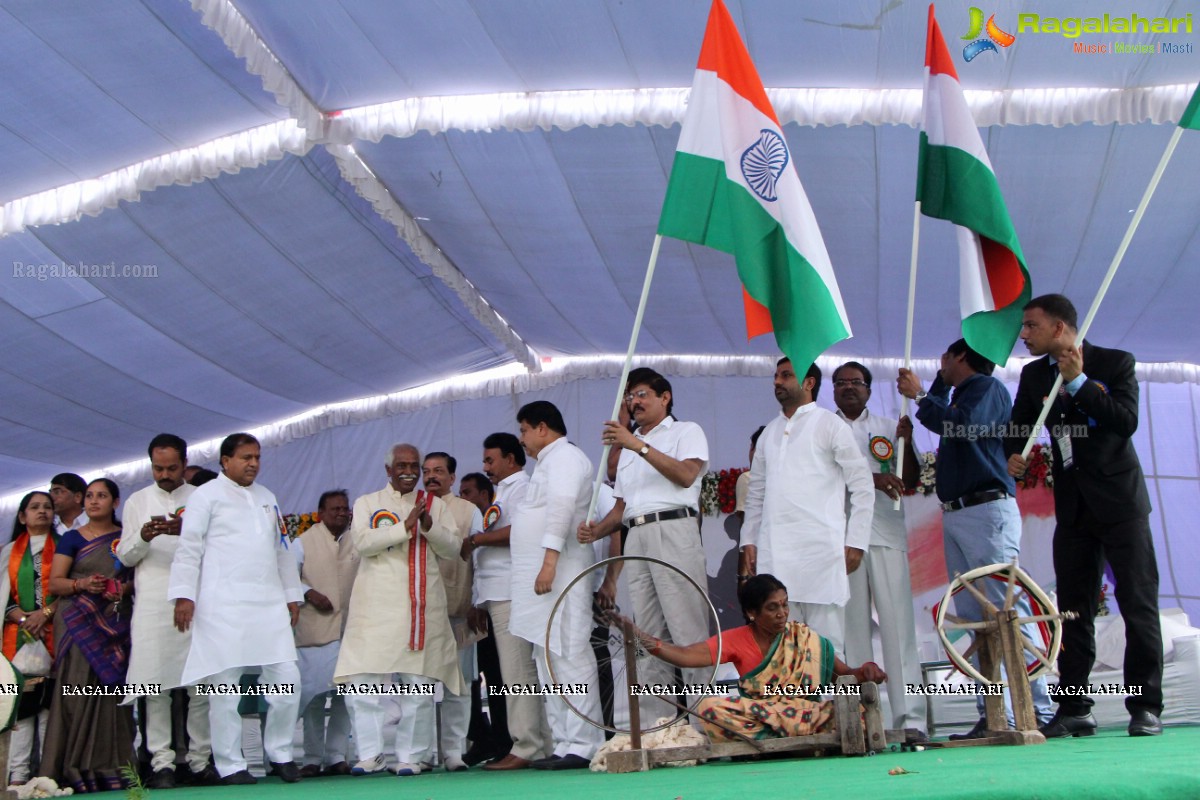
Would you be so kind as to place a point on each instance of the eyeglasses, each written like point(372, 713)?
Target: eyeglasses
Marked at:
point(640, 394)
point(842, 383)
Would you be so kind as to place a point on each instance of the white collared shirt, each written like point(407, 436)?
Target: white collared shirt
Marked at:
point(795, 507)
point(493, 565)
point(646, 490)
point(887, 523)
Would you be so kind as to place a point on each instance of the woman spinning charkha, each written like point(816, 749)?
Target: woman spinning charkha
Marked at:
point(778, 662)
point(90, 738)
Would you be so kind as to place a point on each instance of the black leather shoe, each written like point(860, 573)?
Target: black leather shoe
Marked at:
point(206, 777)
point(544, 763)
point(239, 778)
point(287, 771)
point(1144, 723)
point(1064, 724)
point(978, 732)
point(162, 779)
point(569, 761)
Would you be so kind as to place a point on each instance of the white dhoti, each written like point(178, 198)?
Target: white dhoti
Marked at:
point(456, 708)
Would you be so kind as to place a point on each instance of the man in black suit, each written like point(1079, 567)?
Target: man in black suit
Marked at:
point(1101, 507)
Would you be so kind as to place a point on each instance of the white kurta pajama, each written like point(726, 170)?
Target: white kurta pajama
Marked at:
point(234, 563)
point(796, 513)
point(380, 638)
point(883, 581)
point(527, 724)
point(328, 566)
point(159, 650)
point(555, 504)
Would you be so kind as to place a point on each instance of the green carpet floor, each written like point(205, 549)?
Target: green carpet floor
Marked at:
point(1108, 765)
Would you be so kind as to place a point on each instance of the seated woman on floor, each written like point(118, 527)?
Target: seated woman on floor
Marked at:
point(778, 661)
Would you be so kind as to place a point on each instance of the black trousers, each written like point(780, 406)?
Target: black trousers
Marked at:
point(490, 731)
point(1080, 551)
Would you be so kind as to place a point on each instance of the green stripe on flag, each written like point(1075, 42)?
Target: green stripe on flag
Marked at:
point(705, 207)
point(954, 185)
point(1191, 115)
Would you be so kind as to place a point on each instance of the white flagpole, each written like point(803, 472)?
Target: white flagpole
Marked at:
point(908, 330)
point(602, 468)
point(1112, 270)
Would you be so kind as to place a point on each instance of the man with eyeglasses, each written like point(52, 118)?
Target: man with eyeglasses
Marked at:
point(657, 495)
point(883, 579)
point(797, 524)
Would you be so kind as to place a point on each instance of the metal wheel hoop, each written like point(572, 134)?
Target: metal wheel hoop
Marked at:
point(1024, 582)
point(587, 573)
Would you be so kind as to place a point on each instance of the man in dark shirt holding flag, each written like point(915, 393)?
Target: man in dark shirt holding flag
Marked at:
point(981, 524)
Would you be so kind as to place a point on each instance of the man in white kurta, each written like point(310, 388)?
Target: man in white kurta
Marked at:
point(546, 555)
point(328, 563)
point(503, 463)
point(398, 621)
point(153, 519)
point(438, 476)
point(796, 526)
point(235, 585)
point(882, 580)
point(657, 494)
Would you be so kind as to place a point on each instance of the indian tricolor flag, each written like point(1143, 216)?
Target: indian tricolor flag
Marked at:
point(734, 188)
point(955, 182)
point(1191, 114)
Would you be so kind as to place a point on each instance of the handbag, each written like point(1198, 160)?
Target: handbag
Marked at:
point(33, 659)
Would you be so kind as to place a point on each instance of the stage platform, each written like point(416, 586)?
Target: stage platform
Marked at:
point(1107, 765)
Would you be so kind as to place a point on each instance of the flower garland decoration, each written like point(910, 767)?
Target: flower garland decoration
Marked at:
point(926, 476)
point(297, 524)
point(710, 506)
point(1039, 467)
point(718, 491)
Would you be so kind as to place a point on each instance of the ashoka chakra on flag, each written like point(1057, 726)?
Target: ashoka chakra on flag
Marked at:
point(763, 163)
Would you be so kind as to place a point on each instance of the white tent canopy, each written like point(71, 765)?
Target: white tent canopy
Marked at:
point(281, 206)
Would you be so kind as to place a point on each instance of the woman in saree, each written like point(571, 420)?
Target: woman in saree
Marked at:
point(778, 660)
point(90, 738)
point(29, 609)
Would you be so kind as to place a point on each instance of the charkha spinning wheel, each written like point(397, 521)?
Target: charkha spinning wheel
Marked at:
point(621, 639)
point(1000, 638)
point(1020, 592)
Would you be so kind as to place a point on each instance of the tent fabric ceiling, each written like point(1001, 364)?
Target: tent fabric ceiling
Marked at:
point(278, 287)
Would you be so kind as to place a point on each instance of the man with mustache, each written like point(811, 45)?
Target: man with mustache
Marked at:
point(657, 493)
point(883, 579)
point(153, 518)
point(234, 583)
point(398, 621)
point(1100, 505)
point(438, 475)
point(797, 526)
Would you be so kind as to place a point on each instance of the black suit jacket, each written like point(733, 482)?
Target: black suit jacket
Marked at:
point(1107, 476)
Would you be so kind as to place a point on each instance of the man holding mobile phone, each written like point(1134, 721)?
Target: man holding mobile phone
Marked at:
point(153, 519)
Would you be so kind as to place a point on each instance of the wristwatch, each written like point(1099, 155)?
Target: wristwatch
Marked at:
point(921, 395)
point(645, 451)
